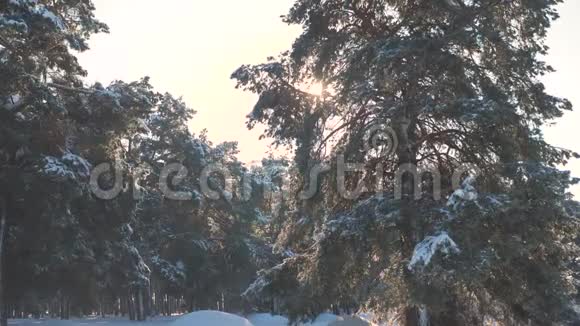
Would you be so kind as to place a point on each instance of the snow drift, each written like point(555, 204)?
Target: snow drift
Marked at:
point(215, 318)
point(267, 320)
point(211, 318)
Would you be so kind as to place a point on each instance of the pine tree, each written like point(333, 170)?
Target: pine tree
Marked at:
point(458, 83)
point(38, 72)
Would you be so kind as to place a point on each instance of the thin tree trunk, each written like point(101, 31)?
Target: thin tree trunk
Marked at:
point(67, 305)
point(102, 307)
point(130, 307)
point(60, 308)
point(411, 316)
point(3, 226)
point(149, 306)
point(158, 301)
point(450, 317)
point(141, 315)
point(408, 223)
point(162, 307)
point(122, 306)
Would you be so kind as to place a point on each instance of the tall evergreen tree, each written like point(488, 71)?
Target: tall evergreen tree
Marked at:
point(39, 74)
point(54, 130)
point(459, 83)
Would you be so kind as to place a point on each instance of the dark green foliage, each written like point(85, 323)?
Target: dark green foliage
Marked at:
point(139, 252)
point(459, 84)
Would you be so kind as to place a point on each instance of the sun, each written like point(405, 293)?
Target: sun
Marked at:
point(316, 89)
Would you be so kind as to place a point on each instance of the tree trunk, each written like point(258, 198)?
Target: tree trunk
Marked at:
point(130, 307)
point(450, 317)
point(102, 306)
point(149, 308)
point(408, 223)
point(60, 308)
point(122, 306)
point(3, 226)
point(141, 314)
point(411, 317)
point(447, 319)
point(67, 306)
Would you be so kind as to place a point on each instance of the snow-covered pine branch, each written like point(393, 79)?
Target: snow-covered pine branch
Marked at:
point(426, 249)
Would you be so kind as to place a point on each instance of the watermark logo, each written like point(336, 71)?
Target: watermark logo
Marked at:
point(380, 140)
point(216, 181)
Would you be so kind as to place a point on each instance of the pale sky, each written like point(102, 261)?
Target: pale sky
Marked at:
point(190, 48)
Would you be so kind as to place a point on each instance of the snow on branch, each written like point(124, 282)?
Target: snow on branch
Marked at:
point(55, 168)
point(12, 102)
point(265, 279)
point(257, 287)
point(426, 249)
point(68, 167)
point(34, 8)
point(80, 165)
point(466, 193)
point(50, 16)
point(17, 24)
point(172, 272)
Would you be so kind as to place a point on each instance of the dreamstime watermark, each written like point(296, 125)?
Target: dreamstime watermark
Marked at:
point(215, 181)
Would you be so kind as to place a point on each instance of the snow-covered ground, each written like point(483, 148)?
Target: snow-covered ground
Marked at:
point(200, 318)
point(211, 318)
point(91, 322)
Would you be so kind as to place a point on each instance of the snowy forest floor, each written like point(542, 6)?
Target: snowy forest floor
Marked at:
point(161, 321)
point(200, 318)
